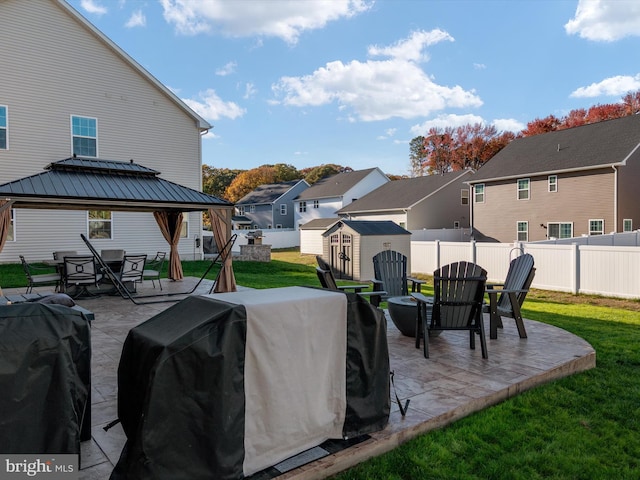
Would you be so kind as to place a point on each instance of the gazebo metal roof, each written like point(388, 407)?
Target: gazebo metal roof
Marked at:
point(93, 184)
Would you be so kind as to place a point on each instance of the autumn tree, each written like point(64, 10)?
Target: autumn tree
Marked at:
point(250, 179)
point(439, 146)
point(631, 102)
point(417, 156)
point(541, 125)
point(215, 181)
point(314, 174)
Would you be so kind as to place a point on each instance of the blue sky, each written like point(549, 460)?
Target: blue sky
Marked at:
point(351, 82)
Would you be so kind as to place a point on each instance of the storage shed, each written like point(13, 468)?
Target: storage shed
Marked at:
point(350, 245)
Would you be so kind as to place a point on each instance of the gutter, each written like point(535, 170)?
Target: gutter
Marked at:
point(549, 172)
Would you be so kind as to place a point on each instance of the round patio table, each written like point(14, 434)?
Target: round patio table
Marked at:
point(403, 312)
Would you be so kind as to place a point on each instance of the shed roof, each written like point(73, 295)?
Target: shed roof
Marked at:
point(596, 145)
point(402, 194)
point(319, 223)
point(335, 185)
point(93, 184)
point(369, 227)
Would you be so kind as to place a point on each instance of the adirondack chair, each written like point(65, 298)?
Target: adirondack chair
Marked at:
point(456, 305)
point(390, 270)
point(328, 281)
point(506, 299)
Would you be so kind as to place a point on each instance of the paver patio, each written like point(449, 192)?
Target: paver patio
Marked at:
point(454, 382)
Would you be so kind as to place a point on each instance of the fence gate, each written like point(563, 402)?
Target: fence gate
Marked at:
point(340, 255)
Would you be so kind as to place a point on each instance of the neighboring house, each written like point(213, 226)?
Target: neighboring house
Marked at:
point(433, 201)
point(311, 235)
point(325, 197)
point(568, 183)
point(66, 89)
point(269, 205)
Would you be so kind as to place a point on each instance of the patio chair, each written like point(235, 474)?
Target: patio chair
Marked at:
point(80, 272)
point(132, 269)
point(113, 258)
point(457, 304)
point(390, 271)
point(35, 279)
point(328, 281)
point(511, 295)
point(60, 254)
point(153, 269)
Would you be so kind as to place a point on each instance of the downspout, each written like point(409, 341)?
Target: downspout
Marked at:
point(615, 199)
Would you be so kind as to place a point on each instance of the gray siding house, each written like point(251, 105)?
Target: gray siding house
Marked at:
point(433, 201)
point(269, 205)
point(66, 89)
point(568, 183)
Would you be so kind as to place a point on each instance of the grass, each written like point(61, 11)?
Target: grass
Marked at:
point(586, 426)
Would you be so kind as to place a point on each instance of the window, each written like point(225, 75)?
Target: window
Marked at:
point(456, 224)
point(596, 227)
point(316, 204)
point(478, 193)
point(560, 230)
point(627, 225)
point(302, 207)
point(11, 235)
point(99, 224)
point(184, 228)
point(553, 183)
point(240, 210)
point(4, 127)
point(252, 209)
point(283, 209)
point(523, 231)
point(464, 197)
point(84, 133)
point(523, 189)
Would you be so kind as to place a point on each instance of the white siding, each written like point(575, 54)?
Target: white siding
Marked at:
point(69, 71)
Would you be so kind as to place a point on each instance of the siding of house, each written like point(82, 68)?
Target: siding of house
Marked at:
point(580, 197)
point(54, 67)
point(440, 210)
point(628, 181)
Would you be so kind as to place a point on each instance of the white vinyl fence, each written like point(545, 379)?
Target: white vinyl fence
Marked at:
point(589, 269)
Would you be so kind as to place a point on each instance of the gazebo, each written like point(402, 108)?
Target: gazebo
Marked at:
point(93, 184)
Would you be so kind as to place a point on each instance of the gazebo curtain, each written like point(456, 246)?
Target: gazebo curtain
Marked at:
point(221, 227)
point(5, 221)
point(170, 224)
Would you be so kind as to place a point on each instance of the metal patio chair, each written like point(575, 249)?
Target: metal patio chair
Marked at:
point(133, 269)
point(153, 269)
point(80, 272)
point(35, 279)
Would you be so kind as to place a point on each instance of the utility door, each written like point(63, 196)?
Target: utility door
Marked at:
point(340, 247)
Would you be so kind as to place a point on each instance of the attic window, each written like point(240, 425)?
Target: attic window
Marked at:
point(464, 196)
point(553, 183)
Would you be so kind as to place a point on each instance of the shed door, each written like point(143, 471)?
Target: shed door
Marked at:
point(341, 253)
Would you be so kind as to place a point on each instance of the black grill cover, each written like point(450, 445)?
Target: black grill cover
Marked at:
point(45, 368)
point(181, 388)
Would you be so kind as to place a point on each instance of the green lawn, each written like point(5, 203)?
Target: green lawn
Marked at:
point(586, 426)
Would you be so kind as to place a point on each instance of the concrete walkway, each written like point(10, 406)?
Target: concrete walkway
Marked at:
point(454, 382)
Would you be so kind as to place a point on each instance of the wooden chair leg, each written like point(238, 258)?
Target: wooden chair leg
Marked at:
point(517, 316)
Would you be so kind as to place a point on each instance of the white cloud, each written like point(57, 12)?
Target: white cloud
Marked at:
point(276, 18)
point(227, 69)
point(605, 20)
point(613, 86)
point(508, 125)
point(389, 132)
point(211, 107)
point(454, 121)
point(137, 19)
point(378, 89)
point(479, 66)
point(249, 91)
point(91, 6)
point(444, 121)
point(411, 49)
